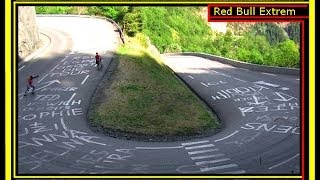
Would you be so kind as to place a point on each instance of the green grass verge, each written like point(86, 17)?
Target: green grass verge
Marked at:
point(146, 98)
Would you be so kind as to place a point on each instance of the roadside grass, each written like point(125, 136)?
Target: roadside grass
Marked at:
point(146, 98)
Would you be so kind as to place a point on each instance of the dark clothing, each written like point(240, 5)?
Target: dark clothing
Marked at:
point(30, 84)
point(98, 59)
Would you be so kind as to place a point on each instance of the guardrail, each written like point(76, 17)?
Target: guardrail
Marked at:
point(87, 16)
point(263, 68)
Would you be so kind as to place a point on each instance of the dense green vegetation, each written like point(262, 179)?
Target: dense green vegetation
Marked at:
point(182, 29)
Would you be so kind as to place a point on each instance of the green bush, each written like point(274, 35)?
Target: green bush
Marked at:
point(54, 9)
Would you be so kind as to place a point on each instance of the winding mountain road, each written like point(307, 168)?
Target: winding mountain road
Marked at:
point(260, 113)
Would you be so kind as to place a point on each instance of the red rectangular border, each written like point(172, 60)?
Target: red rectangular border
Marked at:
point(219, 18)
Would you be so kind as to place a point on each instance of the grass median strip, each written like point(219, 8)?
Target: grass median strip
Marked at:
point(146, 98)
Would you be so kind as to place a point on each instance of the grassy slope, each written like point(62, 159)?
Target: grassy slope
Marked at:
point(146, 98)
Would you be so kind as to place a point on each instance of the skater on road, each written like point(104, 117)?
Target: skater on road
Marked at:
point(30, 84)
point(98, 61)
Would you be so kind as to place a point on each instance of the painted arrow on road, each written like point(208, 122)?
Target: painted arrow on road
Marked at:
point(48, 83)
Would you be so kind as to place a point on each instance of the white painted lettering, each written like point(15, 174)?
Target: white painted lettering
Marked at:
point(282, 129)
point(250, 126)
point(265, 127)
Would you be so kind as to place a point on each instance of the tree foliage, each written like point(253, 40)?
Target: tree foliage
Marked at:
point(54, 9)
point(293, 30)
point(271, 31)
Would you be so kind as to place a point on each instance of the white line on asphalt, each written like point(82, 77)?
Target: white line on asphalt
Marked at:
point(54, 67)
point(203, 151)
point(63, 124)
point(204, 84)
point(43, 78)
point(284, 161)
point(21, 68)
point(225, 75)
point(85, 79)
point(191, 143)
point(65, 58)
point(155, 148)
point(269, 74)
point(217, 167)
point(208, 156)
point(191, 77)
point(240, 79)
point(298, 79)
point(226, 136)
point(235, 172)
point(212, 161)
point(198, 147)
point(267, 84)
point(284, 88)
point(70, 99)
point(244, 69)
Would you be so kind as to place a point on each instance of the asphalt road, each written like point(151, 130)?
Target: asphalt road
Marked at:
point(259, 112)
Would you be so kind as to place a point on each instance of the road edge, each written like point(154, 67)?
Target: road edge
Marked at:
point(44, 46)
point(255, 67)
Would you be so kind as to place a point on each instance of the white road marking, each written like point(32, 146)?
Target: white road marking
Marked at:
point(198, 147)
point(21, 68)
point(226, 136)
point(211, 162)
point(205, 157)
point(225, 75)
point(235, 172)
point(63, 124)
point(298, 79)
point(43, 78)
point(65, 58)
point(70, 99)
point(191, 143)
point(244, 69)
point(202, 151)
point(54, 67)
point(240, 79)
point(49, 83)
point(284, 88)
point(85, 79)
point(285, 161)
point(151, 148)
point(204, 84)
point(191, 77)
point(265, 83)
point(217, 167)
point(269, 74)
